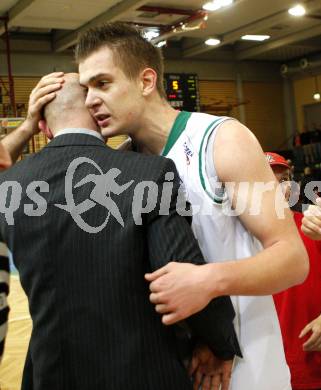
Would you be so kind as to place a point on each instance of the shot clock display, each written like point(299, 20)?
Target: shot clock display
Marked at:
point(182, 91)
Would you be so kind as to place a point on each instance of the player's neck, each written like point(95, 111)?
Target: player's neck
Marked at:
point(158, 121)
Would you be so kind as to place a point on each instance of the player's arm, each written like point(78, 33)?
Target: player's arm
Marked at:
point(18, 139)
point(42, 94)
point(5, 160)
point(283, 262)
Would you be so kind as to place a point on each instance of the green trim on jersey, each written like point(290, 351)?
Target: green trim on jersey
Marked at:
point(177, 129)
point(212, 126)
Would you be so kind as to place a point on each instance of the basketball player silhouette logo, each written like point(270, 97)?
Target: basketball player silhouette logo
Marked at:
point(104, 186)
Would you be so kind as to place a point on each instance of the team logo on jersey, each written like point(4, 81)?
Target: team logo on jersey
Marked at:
point(188, 153)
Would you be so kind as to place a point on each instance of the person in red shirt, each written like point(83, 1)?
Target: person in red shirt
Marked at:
point(299, 307)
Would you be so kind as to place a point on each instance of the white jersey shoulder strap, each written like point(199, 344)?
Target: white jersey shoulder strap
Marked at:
point(195, 129)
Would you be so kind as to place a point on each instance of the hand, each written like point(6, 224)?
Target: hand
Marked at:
point(209, 371)
point(311, 222)
point(43, 93)
point(314, 342)
point(179, 290)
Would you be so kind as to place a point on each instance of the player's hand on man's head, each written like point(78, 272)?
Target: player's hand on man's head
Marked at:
point(43, 93)
point(311, 222)
point(208, 371)
point(179, 290)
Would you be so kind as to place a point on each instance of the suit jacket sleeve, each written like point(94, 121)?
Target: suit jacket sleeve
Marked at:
point(170, 238)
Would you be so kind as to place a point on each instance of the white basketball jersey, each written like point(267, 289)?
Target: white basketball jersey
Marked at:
point(221, 238)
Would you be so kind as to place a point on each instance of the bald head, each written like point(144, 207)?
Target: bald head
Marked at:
point(68, 109)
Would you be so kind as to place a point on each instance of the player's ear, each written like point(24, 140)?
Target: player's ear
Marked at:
point(148, 80)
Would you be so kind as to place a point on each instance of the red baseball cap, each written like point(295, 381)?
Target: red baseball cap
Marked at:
point(275, 159)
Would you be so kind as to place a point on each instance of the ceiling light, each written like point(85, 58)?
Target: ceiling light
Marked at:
point(212, 42)
point(317, 96)
point(298, 10)
point(214, 5)
point(161, 43)
point(259, 38)
point(151, 34)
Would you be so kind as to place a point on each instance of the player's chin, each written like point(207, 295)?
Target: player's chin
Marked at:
point(109, 132)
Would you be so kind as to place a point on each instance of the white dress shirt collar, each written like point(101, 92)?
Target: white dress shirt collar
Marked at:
point(78, 130)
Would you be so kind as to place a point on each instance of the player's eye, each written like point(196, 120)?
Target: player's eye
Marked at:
point(103, 83)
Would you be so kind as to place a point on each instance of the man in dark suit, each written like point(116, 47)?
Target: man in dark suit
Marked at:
point(83, 233)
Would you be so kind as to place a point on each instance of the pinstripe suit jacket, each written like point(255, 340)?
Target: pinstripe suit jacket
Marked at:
point(93, 325)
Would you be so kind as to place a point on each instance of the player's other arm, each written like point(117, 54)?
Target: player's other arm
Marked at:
point(5, 160)
point(283, 262)
point(42, 94)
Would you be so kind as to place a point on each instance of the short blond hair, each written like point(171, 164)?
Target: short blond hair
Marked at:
point(132, 52)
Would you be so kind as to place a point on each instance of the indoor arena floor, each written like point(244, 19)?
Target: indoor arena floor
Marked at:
point(17, 339)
